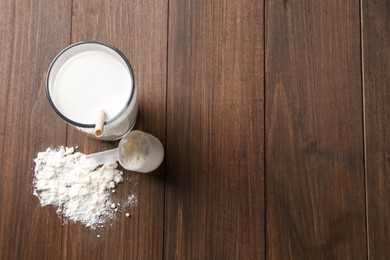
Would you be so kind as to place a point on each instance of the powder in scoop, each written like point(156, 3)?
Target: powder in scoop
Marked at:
point(80, 194)
point(134, 150)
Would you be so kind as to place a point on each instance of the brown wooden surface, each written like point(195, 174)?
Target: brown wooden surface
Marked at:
point(314, 135)
point(215, 192)
point(273, 114)
point(376, 54)
point(31, 33)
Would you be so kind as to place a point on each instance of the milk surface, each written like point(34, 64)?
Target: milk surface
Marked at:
point(91, 81)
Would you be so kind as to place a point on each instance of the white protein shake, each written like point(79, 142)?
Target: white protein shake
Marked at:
point(88, 77)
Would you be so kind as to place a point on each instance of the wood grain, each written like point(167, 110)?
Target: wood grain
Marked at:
point(376, 42)
point(314, 137)
point(31, 32)
point(139, 30)
point(214, 186)
point(274, 116)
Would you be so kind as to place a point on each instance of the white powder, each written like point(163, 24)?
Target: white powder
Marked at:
point(80, 194)
point(131, 200)
point(134, 150)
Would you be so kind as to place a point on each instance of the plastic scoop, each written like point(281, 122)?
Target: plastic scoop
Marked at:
point(103, 157)
point(137, 151)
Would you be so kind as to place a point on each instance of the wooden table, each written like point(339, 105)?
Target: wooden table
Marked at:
point(275, 118)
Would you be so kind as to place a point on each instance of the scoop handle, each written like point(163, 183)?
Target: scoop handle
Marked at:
point(102, 157)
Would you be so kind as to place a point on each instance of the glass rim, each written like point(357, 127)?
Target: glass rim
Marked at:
point(104, 44)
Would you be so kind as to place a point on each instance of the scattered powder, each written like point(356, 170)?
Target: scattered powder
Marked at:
point(131, 201)
point(79, 193)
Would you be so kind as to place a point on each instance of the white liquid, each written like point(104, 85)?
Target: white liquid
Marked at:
point(91, 81)
point(88, 77)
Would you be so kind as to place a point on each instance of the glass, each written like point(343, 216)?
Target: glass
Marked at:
point(89, 76)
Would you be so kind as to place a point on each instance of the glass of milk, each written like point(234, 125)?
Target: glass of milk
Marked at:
point(88, 78)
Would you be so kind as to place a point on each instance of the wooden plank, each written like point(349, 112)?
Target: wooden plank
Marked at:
point(314, 137)
point(31, 32)
point(214, 191)
point(376, 51)
point(139, 30)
